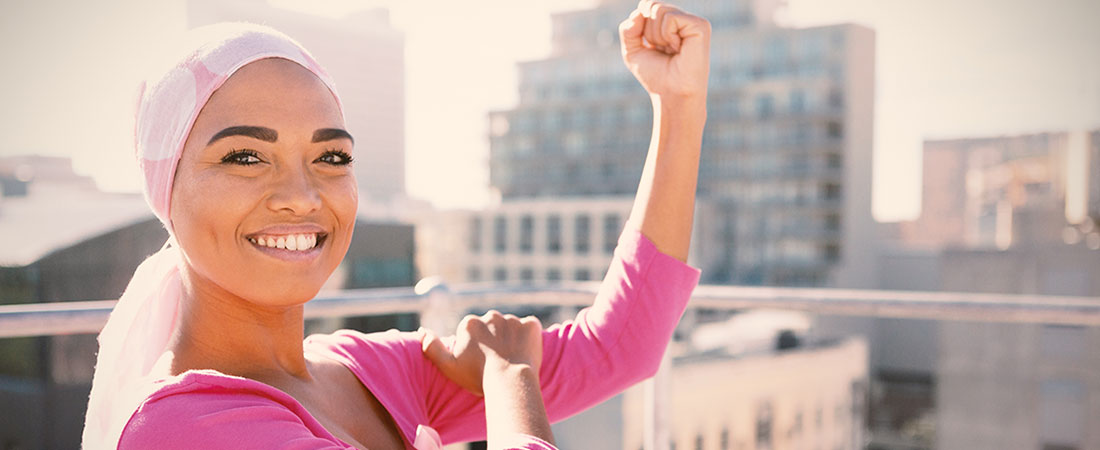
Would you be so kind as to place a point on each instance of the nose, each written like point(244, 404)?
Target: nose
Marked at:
point(294, 191)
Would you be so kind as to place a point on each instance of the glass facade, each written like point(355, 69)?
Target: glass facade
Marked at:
point(775, 138)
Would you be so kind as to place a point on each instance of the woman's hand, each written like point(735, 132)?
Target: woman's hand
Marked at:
point(667, 50)
point(485, 346)
point(498, 356)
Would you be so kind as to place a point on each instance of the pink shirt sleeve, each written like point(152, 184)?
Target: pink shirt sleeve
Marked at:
point(609, 346)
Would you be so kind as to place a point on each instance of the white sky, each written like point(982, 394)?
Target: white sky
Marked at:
point(945, 69)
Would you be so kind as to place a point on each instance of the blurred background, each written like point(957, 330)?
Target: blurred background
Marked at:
point(900, 153)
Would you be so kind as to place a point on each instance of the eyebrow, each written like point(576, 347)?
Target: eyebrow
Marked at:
point(328, 134)
point(268, 135)
point(262, 133)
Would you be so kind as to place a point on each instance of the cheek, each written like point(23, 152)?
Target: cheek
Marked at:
point(343, 196)
point(208, 208)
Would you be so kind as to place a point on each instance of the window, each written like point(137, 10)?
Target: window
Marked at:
point(764, 425)
point(798, 101)
point(553, 274)
point(764, 106)
point(582, 275)
point(500, 274)
point(473, 274)
point(526, 274)
point(475, 234)
point(526, 233)
point(500, 234)
point(611, 230)
point(553, 234)
point(581, 233)
point(834, 130)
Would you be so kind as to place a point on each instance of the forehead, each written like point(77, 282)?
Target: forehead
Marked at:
point(271, 92)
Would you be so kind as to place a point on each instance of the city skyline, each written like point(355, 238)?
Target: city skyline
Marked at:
point(985, 68)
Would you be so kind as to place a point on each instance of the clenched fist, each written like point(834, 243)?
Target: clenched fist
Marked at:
point(484, 345)
point(667, 49)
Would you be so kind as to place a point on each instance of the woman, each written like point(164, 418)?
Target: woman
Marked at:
point(247, 164)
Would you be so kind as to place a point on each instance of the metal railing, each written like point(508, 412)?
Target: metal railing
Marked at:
point(433, 300)
point(44, 319)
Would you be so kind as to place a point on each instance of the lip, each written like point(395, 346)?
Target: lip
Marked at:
point(288, 229)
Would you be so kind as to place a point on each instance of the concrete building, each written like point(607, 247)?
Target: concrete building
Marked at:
point(971, 186)
point(786, 153)
point(365, 55)
point(802, 398)
point(540, 240)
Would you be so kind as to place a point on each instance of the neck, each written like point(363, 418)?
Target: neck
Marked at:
point(220, 331)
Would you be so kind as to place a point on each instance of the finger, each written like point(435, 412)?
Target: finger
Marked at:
point(436, 352)
point(652, 26)
point(670, 27)
point(529, 320)
point(630, 32)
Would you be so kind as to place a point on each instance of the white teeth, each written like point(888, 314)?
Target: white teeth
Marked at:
point(294, 242)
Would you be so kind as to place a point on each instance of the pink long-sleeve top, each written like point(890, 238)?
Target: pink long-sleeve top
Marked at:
point(609, 346)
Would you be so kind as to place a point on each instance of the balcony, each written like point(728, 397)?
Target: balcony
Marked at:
point(784, 345)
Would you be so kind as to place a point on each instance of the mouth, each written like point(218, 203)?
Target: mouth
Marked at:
point(295, 242)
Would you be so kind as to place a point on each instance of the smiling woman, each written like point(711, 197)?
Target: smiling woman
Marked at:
point(248, 166)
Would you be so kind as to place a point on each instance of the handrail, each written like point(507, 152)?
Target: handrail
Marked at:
point(63, 318)
point(433, 299)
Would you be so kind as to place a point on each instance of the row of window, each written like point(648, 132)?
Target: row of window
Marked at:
point(501, 273)
point(551, 230)
point(762, 106)
point(764, 432)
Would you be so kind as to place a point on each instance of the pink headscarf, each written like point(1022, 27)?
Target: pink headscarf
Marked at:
point(144, 319)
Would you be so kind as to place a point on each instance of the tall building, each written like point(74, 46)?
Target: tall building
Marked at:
point(786, 153)
point(365, 55)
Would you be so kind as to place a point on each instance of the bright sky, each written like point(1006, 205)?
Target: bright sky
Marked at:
point(946, 68)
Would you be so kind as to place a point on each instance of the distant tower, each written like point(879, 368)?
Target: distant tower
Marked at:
point(786, 154)
point(365, 56)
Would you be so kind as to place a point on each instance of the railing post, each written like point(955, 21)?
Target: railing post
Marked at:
point(657, 405)
point(438, 313)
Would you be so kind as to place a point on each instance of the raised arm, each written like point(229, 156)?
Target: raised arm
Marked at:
point(620, 339)
point(668, 51)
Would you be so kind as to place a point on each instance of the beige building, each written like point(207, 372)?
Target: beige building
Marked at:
point(803, 398)
point(971, 187)
point(537, 240)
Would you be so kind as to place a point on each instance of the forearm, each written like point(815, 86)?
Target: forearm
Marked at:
point(665, 203)
point(513, 404)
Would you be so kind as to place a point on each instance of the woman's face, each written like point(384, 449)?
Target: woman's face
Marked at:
point(264, 199)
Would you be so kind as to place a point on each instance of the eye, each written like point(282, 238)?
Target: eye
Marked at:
point(336, 157)
point(242, 157)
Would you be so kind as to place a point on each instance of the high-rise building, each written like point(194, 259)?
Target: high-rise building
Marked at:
point(365, 55)
point(786, 152)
